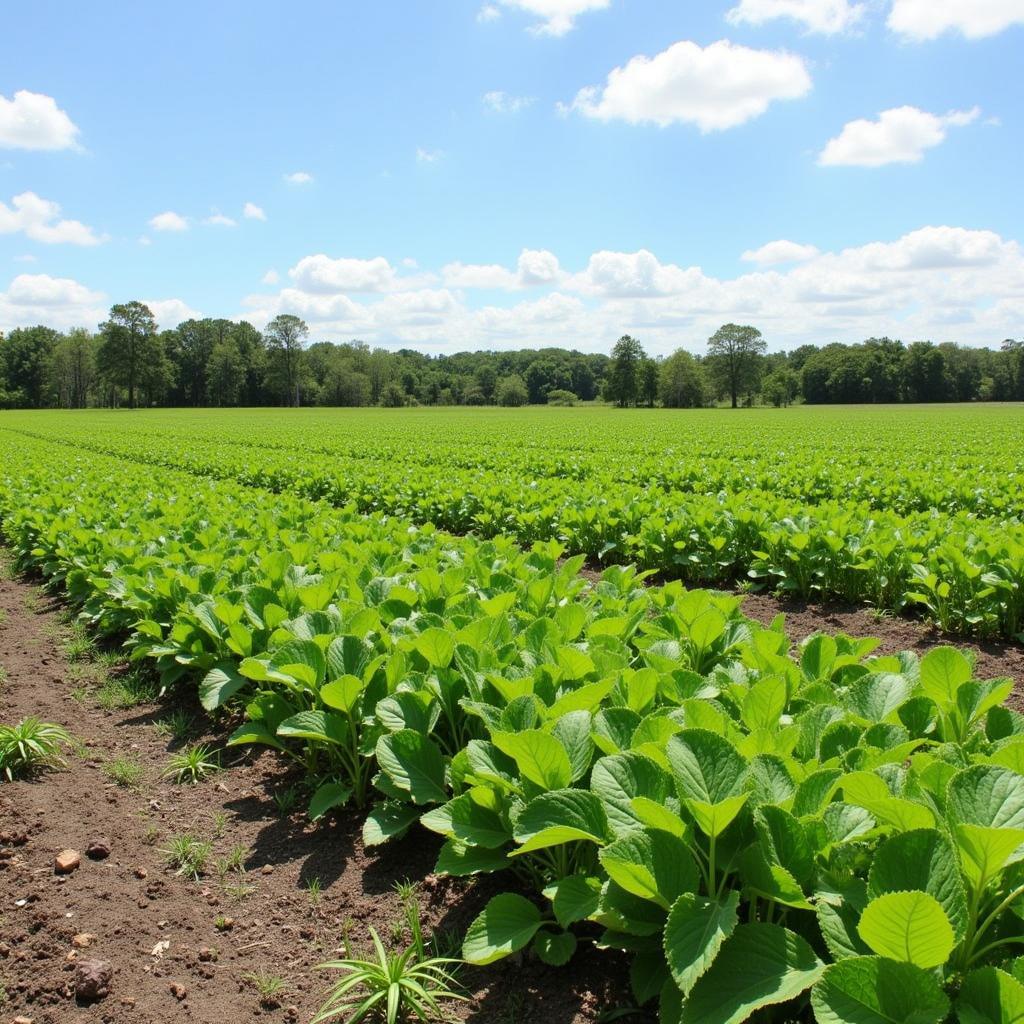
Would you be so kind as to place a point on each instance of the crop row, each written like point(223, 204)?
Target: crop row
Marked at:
point(962, 571)
point(825, 832)
point(959, 465)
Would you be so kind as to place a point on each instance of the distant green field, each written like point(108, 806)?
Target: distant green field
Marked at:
point(888, 505)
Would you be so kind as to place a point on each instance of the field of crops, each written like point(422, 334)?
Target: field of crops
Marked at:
point(895, 507)
point(393, 601)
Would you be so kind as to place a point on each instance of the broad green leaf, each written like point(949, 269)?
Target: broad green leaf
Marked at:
point(766, 878)
point(694, 933)
point(759, 965)
point(874, 990)
point(413, 764)
point(319, 726)
point(925, 861)
point(572, 730)
point(876, 697)
point(342, 693)
point(437, 646)
point(302, 659)
point(714, 819)
point(705, 766)
point(459, 860)
point(655, 815)
point(253, 732)
point(538, 755)
point(327, 797)
point(561, 816)
point(651, 864)
point(986, 795)
point(943, 669)
point(621, 778)
point(574, 898)
point(574, 663)
point(469, 821)
point(387, 821)
point(219, 685)
point(908, 926)
point(555, 948)
point(838, 914)
point(990, 996)
point(505, 925)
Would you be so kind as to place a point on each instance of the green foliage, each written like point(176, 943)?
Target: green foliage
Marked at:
point(192, 765)
point(31, 745)
point(393, 986)
point(764, 831)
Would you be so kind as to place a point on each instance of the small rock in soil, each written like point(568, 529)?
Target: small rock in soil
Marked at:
point(98, 849)
point(178, 991)
point(92, 979)
point(83, 940)
point(66, 861)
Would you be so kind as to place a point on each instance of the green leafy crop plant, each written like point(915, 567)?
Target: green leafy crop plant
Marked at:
point(764, 831)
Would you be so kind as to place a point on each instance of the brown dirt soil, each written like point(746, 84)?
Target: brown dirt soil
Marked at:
point(158, 930)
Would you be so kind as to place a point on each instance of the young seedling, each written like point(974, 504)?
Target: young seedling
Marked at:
point(192, 765)
point(30, 746)
point(119, 693)
point(176, 725)
point(286, 800)
point(269, 987)
point(395, 986)
point(315, 891)
point(187, 855)
point(125, 771)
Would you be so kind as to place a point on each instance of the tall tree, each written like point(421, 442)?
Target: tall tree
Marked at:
point(126, 341)
point(24, 363)
point(681, 384)
point(72, 370)
point(225, 372)
point(284, 336)
point(733, 354)
point(649, 381)
point(623, 386)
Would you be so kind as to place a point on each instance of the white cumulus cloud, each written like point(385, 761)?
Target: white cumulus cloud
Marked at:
point(900, 135)
point(39, 219)
point(168, 313)
point(32, 120)
point(58, 302)
point(271, 277)
point(824, 16)
point(299, 178)
point(556, 17)
point(714, 87)
point(320, 274)
point(428, 156)
point(535, 267)
point(220, 220)
point(168, 221)
point(502, 103)
point(974, 19)
point(253, 212)
point(780, 251)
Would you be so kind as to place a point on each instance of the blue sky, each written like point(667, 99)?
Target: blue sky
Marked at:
point(519, 172)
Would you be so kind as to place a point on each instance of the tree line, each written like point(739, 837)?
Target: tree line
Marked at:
point(129, 362)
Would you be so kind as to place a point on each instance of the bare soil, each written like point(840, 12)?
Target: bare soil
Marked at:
point(174, 957)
